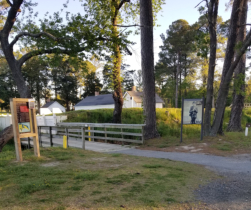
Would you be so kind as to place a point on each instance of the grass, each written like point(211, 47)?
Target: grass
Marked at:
point(77, 179)
point(230, 143)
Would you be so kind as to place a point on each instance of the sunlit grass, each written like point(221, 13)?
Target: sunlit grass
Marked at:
point(77, 179)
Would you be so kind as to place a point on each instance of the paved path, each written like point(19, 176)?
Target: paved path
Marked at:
point(236, 164)
point(77, 143)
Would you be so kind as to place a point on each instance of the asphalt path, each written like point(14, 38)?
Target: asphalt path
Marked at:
point(234, 164)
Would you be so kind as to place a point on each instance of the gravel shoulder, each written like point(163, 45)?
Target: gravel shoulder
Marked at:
point(232, 191)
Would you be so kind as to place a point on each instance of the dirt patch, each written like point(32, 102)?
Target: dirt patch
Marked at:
point(204, 148)
point(51, 164)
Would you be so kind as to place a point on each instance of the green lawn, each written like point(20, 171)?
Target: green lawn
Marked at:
point(77, 179)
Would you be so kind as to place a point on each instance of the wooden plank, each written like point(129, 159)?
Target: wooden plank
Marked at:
point(26, 135)
point(18, 149)
point(115, 132)
point(103, 125)
point(116, 139)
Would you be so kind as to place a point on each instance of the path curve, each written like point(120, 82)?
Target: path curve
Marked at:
point(235, 164)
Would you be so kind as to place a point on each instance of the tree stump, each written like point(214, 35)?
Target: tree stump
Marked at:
point(5, 136)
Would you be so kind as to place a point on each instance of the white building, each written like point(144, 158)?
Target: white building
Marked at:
point(51, 107)
point(133, 99)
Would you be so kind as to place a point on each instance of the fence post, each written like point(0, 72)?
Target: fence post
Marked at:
point(92, 134)
point(83, 138)
point(51, 143)
point(66, 133)
point(105, 135)
point(142, 134)
point(29, 143)
point(122, 136)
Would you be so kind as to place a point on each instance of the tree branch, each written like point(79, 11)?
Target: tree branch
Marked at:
point(199, 4)
point(31, 54)
point(128, 26)
point(122, 2)
point(32, 35)
point(8, 1)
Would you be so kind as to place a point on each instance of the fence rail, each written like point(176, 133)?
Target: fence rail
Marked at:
point(247, 105)
point(93, 131)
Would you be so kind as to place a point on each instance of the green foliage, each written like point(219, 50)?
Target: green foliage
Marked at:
point(92, 84)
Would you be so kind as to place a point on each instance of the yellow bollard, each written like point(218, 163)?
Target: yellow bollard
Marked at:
point(89, 133)
point(65, 142)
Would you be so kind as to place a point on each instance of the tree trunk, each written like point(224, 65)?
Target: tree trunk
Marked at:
point(14, 65)
point(5, 136)
point(212, 16)
point(147, 64)
point(177, 84)
point(228, 66)
point(117, 94)
point(239, 78)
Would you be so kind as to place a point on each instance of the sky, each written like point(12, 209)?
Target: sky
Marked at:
point(171, 11)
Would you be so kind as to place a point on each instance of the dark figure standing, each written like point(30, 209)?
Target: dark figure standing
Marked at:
point(193, 113)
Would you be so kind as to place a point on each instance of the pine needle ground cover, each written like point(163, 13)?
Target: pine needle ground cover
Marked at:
point(78, 179)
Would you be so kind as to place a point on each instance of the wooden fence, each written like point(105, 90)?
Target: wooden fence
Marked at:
point(247, 105)
point(131, 133)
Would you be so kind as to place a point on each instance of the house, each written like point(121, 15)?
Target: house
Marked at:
point(131, 99)
point(134, 99)
point(96, 102)
point(51, 107)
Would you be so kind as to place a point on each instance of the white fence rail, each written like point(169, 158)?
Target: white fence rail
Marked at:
point(6, 120)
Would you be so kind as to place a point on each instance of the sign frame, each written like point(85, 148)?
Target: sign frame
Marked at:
point(202, 116)
point(14, 102)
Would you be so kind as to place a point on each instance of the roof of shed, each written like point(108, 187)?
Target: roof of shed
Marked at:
point(137, 97)
point(96, 100)
point(48, 104)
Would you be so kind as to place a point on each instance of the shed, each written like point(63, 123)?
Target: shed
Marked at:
point(51, 107)
point(133, 99)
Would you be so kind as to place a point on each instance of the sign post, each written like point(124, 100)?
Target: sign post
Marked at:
point(24, 124)
point(192, 112)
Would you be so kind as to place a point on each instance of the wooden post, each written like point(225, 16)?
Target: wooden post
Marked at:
point(83, 137)
point(66, 133)
point(35, 130)
point(122, 136)
point(105, 135)
point(89, 133)
point(51, 137)
point(142, 131)
point(18, 149)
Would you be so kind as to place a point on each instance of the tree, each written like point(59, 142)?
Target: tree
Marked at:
point(239, 77)
point(52, 37)
point(114, 14)
point(175, 49)
point(92, 84)
point(212, 15)
point(147, 65)
point(37, 76)
point(229, 65)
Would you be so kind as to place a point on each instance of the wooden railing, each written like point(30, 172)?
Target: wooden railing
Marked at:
point(131, 133)
point(247, 105)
